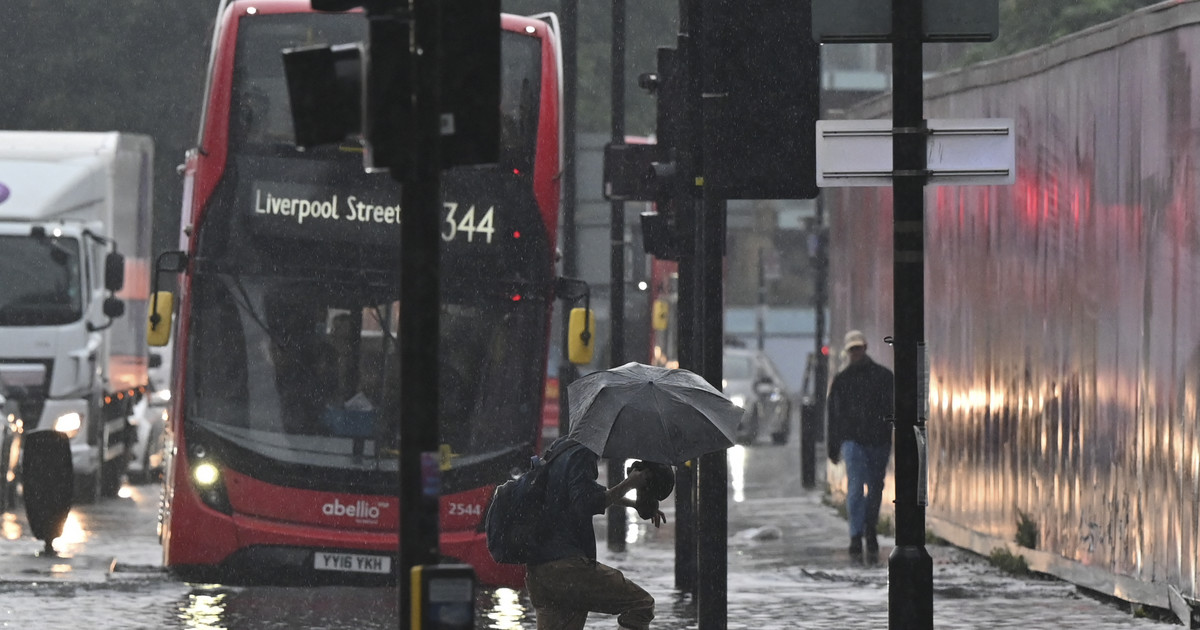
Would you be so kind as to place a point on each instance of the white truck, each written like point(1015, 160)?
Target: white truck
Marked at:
point(75, 231)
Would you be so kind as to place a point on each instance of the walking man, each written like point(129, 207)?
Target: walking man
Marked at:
point(860, 403)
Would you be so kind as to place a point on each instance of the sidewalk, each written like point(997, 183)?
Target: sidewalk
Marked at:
point(789, 568)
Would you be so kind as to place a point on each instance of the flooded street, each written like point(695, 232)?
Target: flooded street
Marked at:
point(787, 569)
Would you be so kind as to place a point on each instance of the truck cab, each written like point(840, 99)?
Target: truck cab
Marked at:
point(74, 241)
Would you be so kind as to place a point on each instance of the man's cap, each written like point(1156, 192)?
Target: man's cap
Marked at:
point(854, 339)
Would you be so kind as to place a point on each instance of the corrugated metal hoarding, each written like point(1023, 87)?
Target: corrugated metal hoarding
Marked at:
point(1062, 312)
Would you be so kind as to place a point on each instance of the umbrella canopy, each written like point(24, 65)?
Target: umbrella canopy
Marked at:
point(656, 414)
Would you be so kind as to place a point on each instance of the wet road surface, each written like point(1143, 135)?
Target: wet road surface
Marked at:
point(788, 568)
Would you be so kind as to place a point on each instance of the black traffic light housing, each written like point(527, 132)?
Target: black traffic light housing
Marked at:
point(325, 91)
point(365, 90)
point(760, 73)
point(652, 172)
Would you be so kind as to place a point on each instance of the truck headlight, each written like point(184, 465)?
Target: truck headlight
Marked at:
point(69, 423)
point(738, 400)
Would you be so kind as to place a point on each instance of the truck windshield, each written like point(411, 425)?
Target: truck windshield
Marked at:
point(41, 281)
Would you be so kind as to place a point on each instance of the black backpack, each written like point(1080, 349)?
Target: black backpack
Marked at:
point(516, 522)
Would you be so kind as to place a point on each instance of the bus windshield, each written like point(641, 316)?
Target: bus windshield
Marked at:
point(41, 284)
point(307, 372)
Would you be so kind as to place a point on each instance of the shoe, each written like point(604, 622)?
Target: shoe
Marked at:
point(872, 541)
point(856, 549)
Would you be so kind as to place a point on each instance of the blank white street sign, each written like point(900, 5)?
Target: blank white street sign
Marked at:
point(960, 152)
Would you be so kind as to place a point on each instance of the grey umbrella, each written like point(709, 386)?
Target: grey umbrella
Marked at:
point(656, 414)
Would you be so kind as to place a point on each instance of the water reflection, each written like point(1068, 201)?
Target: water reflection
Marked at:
point(737, 472)
point(11, 527)
point(216, 607)
point(204, 611)
point(506, 610)
point(76, 531)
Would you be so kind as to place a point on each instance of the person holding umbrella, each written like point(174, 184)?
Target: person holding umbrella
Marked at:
point(663, 417)
point(564, 579)
point(860, 403)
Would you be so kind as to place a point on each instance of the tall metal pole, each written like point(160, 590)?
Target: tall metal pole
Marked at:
point(820, 352)
point(760, 314)
point(691, 286)
point(685, 476)
point(712, 502)
point(820, 304)
point(616, 468)
point(570, 47)
point(712, 476)
point(910, 568)
point(420, 272)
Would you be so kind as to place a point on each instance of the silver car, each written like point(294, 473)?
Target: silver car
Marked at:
point(753, 383)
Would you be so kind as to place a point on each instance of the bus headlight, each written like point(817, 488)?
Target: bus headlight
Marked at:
point(206, 475)
point(208, 483)
point(69, 423)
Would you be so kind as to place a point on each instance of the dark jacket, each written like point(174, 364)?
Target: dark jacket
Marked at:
point(572, 497)
point(860, 401)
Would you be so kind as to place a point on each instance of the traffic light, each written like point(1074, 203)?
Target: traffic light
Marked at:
point(324, 87)
point(652, 172)
point(469, 77)
point(366, 90)
point(387, 94)
point(669, 176)
point(760, 73)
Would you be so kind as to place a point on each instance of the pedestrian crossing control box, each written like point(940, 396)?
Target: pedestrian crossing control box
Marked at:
point(443, 597)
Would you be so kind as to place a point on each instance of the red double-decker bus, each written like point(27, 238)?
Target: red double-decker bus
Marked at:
point(284, 442)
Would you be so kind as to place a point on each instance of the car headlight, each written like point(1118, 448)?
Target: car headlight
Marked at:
point(69, 423)
point(738, 400)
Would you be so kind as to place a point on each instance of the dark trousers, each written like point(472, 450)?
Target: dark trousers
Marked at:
point(564, 591)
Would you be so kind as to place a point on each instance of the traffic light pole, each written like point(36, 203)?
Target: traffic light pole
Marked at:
point(570, 47)
point(712, 479)
point(616, 468)
point(820, 352)
point(691, 280)
point(420, 272)
point(910, 568)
